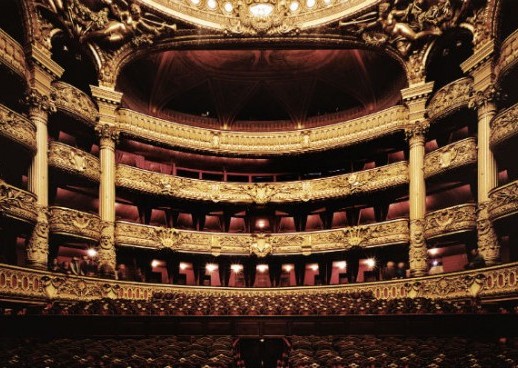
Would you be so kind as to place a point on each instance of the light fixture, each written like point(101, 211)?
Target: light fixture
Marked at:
point(310, 3)
point(435, 262)
point(433, 251)
point(236, 268)
point(212, 4)
point(341, 265)
point(228, 7)
point(196, 2)
point(261, 10)
point(314, 267)
point(91, 252)
point(183, 266)
point(370, 262)
point(288, 268)
point(155, 263)
point(261, 224)
point(211, 267)
point(294, 6)
point(262, 268)
point(327, 2)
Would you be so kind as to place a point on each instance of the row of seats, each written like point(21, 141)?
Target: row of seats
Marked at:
point(403, 352)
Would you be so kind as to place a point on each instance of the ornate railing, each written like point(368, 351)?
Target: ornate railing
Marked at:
point(452, 156)
point(74, 160)
point(367, 181)
point(508, 55)
point(456, 219)
point(75, 102)
point(491, 282)
point(17, 203)
point(503, 201)
point(12, 55)
point(449, 98)
point(265, 143)
point(17, 128)
point(504, 126)
point(66, 221)
point(372, 235)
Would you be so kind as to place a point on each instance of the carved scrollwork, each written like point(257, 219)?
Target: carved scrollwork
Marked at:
point(418, 251)
point(12, 55)
point(488, 244)
point(107, 133)
point(503, 201)
point(508, 55)
point(450, 220)
point(491, 94)
point(450, 98)
point(75, 223)
point(75, 161)
point(39, 102)
point(450, 157)
point(260, 246)
point(417, 131)
point(38, 244)
point(17, 128)
point(75, 102)
point(106, 250)
point(504, 126)
point(168, 238)
point(17, 203)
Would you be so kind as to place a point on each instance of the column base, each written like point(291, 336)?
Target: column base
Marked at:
point(37, 265)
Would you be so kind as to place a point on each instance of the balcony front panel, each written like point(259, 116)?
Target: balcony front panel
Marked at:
point(17, 203)
point(70, 222)
point(450, 157)
point(491, 282)
point(75, 102)
point(275, 143)
point(508, 55)
point(503, 201)
point(504, 126)
point(365, 236)
point(17, 128)
point(451, 220)
point(75, 161)
point(12, 55)
point(450, 98)
point(367, 181)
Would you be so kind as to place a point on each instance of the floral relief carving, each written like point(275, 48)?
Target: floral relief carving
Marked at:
point(504, 126)
point(11, 54)
point(168, 238)
point(418, 251)
point(17, 203)
point(503, 201)
point(451, 220)
point(508, 55)
point(38, 243)
point(74, 160)
point(106, 250)
point(17, 128)
point(450, 157)
point(75, 101)
point(39, 102)
point(450, 98)
point(261, 245)
point(76, 223)
point(488, 244)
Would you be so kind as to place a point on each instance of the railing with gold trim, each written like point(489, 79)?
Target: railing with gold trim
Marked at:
point(265, 143)
point(504, 126)
point(75, 102)
point(372, 235)
point(74, 160)
point(451, 220)
point(17, 203)
point(491, 282)
point(503, 201)
point(67, 221)
point(508, 55)
point(366, 181)
point(12, 55)
point(17, 128)
point(449, 98)
point(452, 156)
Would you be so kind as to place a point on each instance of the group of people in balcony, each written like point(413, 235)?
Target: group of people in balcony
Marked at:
point(84, 266)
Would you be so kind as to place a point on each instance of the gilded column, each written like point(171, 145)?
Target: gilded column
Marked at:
point(108, 100)
point(415, 98)
point(484, 96)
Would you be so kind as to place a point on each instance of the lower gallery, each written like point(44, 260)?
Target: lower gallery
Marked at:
point(260, 183)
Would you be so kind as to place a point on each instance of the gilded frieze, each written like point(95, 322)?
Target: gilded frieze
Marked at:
point(450, 98)
point(74, 160)
point(12, 55)
point(75, 102)
point(504, 126)
point(17, 203)
point(503, 201)
point(452, 156)
point(74, 223)
point(342, 134)
point(508, 55)
point(367, 181)
point(450, 220)
point(17, 128)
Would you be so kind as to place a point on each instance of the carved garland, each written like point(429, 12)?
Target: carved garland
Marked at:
point(450, 98)
point(452, 156)
point(17, 128)
point(75, 223)
point(504, 126)
point(75, 161)
point(450, 220)
point(503, 201)
point(75, 102)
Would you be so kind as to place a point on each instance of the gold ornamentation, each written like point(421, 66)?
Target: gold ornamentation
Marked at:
point(508, 56)
point(356, 235)
point(450, 98)
point(39, 102)
point(168, 238)
point(38, 244)
point(75, 102)
point(17, 203)
point(260, 246)
point(74, 161)
point(504, 126)
point(491, 94)
point(488, 244)
point(17, 128)
point(450, 220)
point(107, 132)
point(452, 156)
point(75, 223)
point(503, 201)
point(12, 55)
point(418, 251)
point(106, 250)
point(417, 130)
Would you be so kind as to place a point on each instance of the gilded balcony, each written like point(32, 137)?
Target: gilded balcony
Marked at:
point(12, 55)
point(450, 157)
point(503, 201)
point(78, 224)
point(508, 55)
point(450, 98)
point(17, 128)
point(451, 220)
point(75, 102)
point(341, 134)
point(504, 126)
point(17, 203)
point(74, 161)
point(366, 236)
point(361, 182)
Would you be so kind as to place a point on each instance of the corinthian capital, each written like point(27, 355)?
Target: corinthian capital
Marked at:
point(107, 131)
point(37, 101)
point(417, 130)
point(491, 94)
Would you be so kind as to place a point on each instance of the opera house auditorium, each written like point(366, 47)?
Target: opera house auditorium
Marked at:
point(259, 183)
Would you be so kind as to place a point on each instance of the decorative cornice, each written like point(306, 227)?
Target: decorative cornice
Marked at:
point(43, 59)
point(503, 201)
point(17, 128)
point(450, 157)
point(451, 220)
point(344, 134)
point(12, 55)
point(450, 98)
point(365, 236)
point(74, 161)
point(367, 181)
point(483, 53)
point(417, 91)
point(78, 224)
point(508, 56)
point(17, 203)
point(106, 94)
point(504, 126)
point(75, 102)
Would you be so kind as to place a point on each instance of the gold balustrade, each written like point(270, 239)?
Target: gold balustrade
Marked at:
point(451, 220)
point(449, 99)
point(450, 157)
point(17, 128)
point(75, 102)
point(17, 203)
point(504, 126)
point(67, 221)
point(74, 161)
point(12, 55)
point(503, 201)
point(508, 55)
